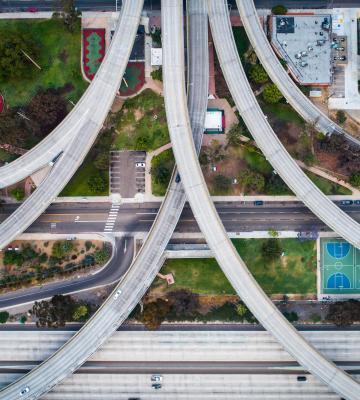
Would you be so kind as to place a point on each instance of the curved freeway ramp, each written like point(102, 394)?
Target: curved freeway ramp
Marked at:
point(280, 77)
point(264, 135)
point(90, 117)
point(207, 217)
point(150, 257)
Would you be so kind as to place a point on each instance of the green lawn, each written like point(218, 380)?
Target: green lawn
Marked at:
point(165, 159)
point(78, 185)
point(141, 123)
point(327, 186)
point(282, 112)
point(295, 273)
point(59, 58)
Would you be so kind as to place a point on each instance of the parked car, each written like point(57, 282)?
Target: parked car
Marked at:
point(140, 165)
point(357, 202)
point(32, 9)
point(258, 203)
point(156, 378)
point(301, 378)
point(340, 58)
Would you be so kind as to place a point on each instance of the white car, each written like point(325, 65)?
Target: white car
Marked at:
point(25, 390)
point(140, 165)
point(156, 378)
point(117, 294)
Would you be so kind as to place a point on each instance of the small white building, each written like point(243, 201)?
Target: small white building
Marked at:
point(156, 57)
point(214, 121)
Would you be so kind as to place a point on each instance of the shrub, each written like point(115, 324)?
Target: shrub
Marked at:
point(4, 316)
point(258, 74)
point(81, 311)
point(279, 10)
point(355, 179)
point(88, 245)
point(157, 74)
point(61, 248)
point(271, 94)
point(291, 316)
point(17, 193)
point(340, 117)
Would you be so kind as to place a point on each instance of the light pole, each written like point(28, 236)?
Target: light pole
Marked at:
point(116, 5)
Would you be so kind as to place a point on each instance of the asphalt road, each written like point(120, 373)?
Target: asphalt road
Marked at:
point(72, 218)
point(116, 268)
point(179, 367)
point(109, 5)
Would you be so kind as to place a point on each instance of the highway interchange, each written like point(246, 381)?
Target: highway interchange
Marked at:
point(149, 259)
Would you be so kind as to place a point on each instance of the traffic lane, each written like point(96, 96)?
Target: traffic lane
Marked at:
point(109, 5)
point(123, 256)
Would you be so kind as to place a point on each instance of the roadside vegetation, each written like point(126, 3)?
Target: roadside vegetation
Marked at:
point(162, 166)
point(32, 262)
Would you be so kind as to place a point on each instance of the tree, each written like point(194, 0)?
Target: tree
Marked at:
point(12, 257)
point(80, 312)
point(13, 128)
point(271, 249)
point(61, 248)
point(70, 14)
point(355, 179)
point(344, 313)
point(161, 173)
point(47, 109)
point(4, 316)
point(28, 253)
point(14, 64)
point(251, 180)
point(279, 10)
point(154, 313)
point(271, 94)
point(157, 74)
point(184, 302)
point(234, 135)
point(156, 36)
point(258, 74)
point(102, 161)
point(340, 117)
point(54, 313)
point(97, 183)
point(88, 245)
point(222, 183)
point(241, 310)
point(17, 193)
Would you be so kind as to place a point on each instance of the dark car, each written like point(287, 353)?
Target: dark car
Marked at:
point(258, 203)
point(156, 385)
point(177, 179)
point(346, 202)
point(32, 9)
point(357, 202)
point(301, 378)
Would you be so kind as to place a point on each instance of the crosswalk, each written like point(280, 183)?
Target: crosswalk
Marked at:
point(111, 219)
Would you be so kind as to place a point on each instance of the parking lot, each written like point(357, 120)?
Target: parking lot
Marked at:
point(127, 173)
point(338, 85)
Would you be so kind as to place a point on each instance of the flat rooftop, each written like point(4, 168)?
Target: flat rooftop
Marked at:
point(304, 42)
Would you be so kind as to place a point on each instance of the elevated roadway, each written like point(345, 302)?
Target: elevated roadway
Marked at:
point(264, 135)
point(203, 208)
point(149, 259)
point(89, 119)
point(279, 75)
